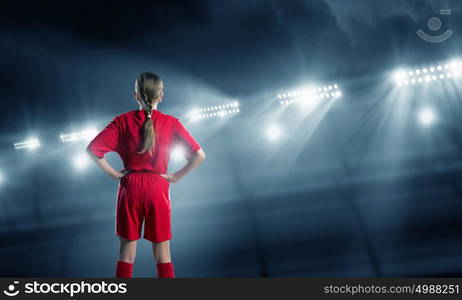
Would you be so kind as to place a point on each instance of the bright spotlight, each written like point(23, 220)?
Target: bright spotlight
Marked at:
point(273, 132)
point(453, 64)
point(216, 111)
point(86, 134)
point(2, 178)
point(399, 76)
point(436, 72)
point(81, 161)
point(177, 154)
point(305, 95)
point(426, 117)
point(28, 144)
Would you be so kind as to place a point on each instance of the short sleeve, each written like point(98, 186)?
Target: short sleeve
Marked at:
point(182, 135)
point(107, 140)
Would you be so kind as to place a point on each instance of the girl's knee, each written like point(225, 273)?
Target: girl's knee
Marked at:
point(160, 244)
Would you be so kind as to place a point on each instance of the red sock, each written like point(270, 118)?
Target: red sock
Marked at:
point(124, 269)
point(165, 270)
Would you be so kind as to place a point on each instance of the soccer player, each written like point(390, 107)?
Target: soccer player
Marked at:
point(143, 139)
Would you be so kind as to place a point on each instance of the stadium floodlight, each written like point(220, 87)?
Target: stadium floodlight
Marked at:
point(436, 72)
point(178, 154)
point(28, 144)
point(399, 75)
point(216, 111)
point(273, 132)
point(310, 94)
point(87, 134)
point(81, 161)
point(426, 117)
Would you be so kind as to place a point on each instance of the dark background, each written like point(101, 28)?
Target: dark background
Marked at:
point(356, 188)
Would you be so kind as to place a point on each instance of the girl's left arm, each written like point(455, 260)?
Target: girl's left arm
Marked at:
point(107, 140)
point(106, 167)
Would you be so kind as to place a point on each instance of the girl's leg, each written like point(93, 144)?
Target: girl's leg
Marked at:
point(161, 253)
point(127, 251)
point(127, 254)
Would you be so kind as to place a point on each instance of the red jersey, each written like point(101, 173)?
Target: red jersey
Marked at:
point(124, 135)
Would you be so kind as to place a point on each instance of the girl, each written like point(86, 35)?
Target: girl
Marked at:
point(143, 139)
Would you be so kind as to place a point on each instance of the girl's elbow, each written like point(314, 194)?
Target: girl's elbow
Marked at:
point(201, 154)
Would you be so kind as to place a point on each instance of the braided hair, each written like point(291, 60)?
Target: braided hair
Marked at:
point(150, 88)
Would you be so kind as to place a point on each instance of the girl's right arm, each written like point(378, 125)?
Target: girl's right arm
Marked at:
point(195, 160)
point(194, 153)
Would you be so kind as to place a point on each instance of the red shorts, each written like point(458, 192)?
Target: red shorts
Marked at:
point(143, 195)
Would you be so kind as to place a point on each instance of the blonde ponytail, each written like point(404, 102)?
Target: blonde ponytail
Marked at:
point(150, 89)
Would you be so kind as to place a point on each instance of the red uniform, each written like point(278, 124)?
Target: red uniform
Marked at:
point(143, 194)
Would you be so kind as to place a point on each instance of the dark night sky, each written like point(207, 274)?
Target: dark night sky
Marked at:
point(65, 62)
